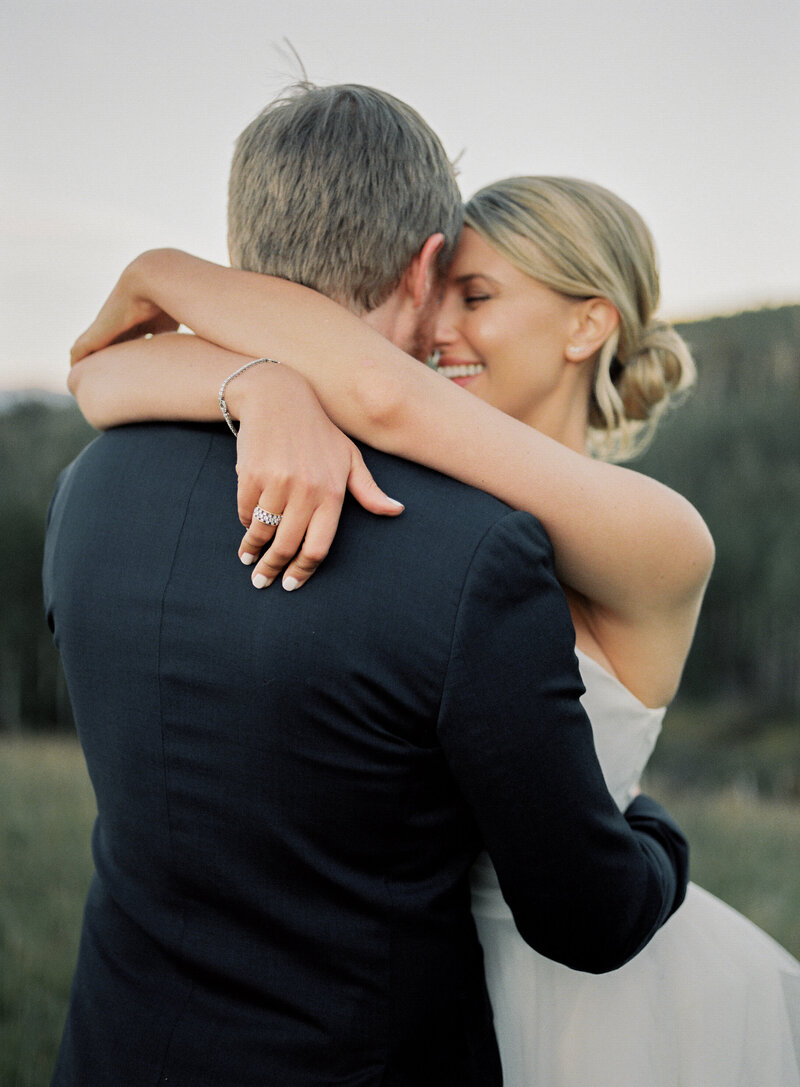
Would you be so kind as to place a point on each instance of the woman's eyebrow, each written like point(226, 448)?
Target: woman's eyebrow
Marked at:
point(473, 275)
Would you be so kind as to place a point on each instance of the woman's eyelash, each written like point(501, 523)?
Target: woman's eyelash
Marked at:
point(475, 298)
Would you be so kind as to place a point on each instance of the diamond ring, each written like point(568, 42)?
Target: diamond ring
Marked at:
point(267, 518)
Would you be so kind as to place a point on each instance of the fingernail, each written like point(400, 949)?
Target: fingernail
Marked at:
point(394, 502)
point(261, 582)
point(247, 558)
point(290, 584)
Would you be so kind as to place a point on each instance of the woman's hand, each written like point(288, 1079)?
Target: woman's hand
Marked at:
point(127, 314)
point(293, 462)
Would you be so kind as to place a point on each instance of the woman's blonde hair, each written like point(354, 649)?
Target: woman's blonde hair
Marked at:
point(582, 240)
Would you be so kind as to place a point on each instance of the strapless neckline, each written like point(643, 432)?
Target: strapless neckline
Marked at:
point(589, 663)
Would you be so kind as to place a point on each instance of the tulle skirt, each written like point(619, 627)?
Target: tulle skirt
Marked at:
point(712, 1001)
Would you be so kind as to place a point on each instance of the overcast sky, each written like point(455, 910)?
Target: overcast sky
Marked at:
point(119, 120)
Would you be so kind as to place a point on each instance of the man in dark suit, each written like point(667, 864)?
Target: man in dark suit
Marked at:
point(291, 788)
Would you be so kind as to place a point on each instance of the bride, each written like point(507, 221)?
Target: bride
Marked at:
point(549, 316)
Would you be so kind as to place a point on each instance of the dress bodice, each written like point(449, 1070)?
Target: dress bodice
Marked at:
point(625, 730)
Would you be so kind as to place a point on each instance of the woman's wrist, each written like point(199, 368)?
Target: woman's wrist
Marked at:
point(223, 391)
point(263, 388)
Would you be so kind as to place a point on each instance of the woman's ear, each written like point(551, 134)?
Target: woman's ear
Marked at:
point(422, 274)
point(595, 320)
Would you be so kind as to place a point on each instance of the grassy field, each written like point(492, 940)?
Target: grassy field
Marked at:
point(744, 849)
point(46, 813)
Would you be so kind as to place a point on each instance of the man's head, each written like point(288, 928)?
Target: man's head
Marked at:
point(339, 188)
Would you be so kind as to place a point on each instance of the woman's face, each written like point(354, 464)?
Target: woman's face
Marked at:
point(503, 335)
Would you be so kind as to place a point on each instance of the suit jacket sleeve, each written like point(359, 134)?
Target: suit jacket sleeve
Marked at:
point(587, 886)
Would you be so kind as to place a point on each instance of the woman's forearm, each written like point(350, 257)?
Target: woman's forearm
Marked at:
point(171, 376)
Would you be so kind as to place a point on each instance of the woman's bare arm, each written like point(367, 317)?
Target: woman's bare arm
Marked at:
point(637, 552)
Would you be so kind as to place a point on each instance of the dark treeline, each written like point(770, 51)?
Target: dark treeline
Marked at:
point(733, 449)
point(38, 436)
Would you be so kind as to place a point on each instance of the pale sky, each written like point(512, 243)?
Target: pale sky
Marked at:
point(119, 120)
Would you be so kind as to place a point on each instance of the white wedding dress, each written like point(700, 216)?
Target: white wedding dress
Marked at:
point(712, 1001)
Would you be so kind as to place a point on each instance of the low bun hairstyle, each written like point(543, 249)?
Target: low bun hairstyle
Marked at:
point(583, 241)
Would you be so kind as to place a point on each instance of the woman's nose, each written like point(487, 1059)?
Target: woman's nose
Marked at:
point(445, 331)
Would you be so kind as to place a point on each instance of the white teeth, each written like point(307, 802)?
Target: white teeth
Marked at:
point(462, 370)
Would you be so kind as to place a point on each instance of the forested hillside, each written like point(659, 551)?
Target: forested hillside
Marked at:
point(733, 448)
point(38, 437)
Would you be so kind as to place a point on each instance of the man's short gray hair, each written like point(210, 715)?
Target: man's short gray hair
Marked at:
point(338, 188)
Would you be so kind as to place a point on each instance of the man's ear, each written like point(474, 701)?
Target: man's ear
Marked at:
point(595, 320)
point(422, 277)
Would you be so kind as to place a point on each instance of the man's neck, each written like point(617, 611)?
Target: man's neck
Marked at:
point(394, 319)
point(380, 321)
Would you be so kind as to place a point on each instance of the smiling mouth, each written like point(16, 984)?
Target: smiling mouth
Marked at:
point(463, 369)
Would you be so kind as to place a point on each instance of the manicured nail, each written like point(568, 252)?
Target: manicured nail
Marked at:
point(398, 505)
point(290, 584)
point(261, 582)
point(247, 558)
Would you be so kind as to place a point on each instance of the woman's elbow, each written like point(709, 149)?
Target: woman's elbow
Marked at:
point(699, 554)
point(688, 553)
point(74, 380)
point(709, 551)
point(90, 408)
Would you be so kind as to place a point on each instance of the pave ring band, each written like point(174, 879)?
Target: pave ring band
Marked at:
point(267, 518)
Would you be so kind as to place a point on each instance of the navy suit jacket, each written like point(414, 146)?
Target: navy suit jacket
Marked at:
point(291, 787)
